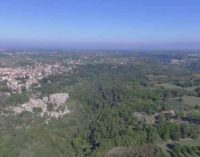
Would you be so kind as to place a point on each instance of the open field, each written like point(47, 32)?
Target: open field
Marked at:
point(189, 141)
point(191, 100)
point(185, 142)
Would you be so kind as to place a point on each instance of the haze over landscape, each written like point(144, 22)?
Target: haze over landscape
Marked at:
point(139, 24)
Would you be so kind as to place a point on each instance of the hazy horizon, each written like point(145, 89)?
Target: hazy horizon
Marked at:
point(130, 24)
point(99, 45)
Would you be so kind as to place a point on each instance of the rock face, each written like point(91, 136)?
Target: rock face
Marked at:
point(57, 100)
point(29, 106)
point(145, 118)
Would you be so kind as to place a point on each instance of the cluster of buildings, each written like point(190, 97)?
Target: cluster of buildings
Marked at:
point(188, 59)
point(25, 77)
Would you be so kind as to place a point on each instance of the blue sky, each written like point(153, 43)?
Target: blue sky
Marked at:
point(75, 22)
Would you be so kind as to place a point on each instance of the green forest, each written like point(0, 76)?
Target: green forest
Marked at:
point(145, 107)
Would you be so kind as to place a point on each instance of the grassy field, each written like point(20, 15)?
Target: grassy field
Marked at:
point(191, 100)
point(186, 141)
point(168, 86)
point(190, 142)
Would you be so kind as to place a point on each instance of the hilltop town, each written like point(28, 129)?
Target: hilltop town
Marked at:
point(24, 77)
